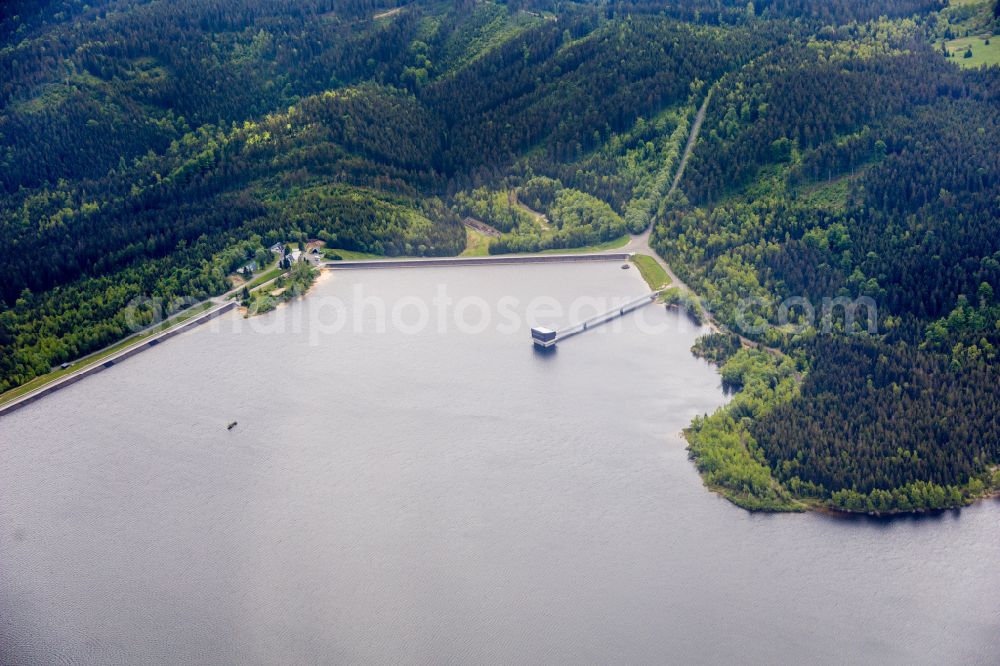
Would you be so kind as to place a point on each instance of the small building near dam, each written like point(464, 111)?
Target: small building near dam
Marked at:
point(543, 337)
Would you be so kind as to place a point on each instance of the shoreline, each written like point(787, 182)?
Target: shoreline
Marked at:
point(753, 504)
point(103, 362)
point(810, 505)
point(324, 271)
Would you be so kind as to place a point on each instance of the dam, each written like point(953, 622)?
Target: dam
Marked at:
point(493, 260)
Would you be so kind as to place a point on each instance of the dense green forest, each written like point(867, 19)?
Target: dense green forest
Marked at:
point(804, 189)
point(150, 149)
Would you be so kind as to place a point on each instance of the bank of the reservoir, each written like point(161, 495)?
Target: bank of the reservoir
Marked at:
point(106, 362)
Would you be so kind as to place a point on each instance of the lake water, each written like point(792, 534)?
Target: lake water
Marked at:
point(434, 494)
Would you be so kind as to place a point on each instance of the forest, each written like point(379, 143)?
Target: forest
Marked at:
point(148, 150)
point(890, 196)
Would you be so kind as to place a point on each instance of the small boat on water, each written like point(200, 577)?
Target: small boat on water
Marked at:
point(625, 267)
point(231, 425)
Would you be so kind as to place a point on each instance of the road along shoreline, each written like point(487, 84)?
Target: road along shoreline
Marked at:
point(110, 361)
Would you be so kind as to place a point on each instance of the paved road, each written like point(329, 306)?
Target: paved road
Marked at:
point(98, 365)
point(90, 363)
point(692, 140)
point(639, 243)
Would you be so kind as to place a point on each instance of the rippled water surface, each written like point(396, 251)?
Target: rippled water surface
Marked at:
point(443, 496)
